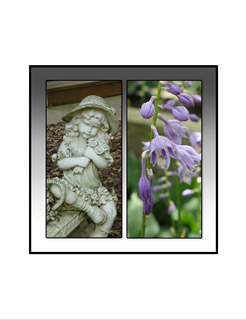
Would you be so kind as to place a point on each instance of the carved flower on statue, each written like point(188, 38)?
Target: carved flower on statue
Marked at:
point(94, 196)
point(99, 150)
point(92, 142)
point(103, 199)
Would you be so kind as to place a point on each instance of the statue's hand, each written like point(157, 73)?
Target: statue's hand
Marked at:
point(78, 170)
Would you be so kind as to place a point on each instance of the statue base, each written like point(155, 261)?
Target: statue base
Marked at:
point(70, 224)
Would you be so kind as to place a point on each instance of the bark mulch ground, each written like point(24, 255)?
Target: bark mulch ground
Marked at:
point(111, 177)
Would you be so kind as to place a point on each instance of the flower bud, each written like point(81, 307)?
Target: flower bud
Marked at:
point(186, 99)
point(171, 207)
point(163, 195)
point(196, 98)
point(194, 117)
point(172, 88)
point(148, 109)
point(180, 113)
point(187, 192)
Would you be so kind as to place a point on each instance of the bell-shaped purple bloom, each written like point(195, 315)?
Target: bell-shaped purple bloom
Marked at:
point(195, 139)
point(172, 88)
point(186, 99)
point(148, 109)
point(160, 150)
point(196, 98)
point(187, 193)
point(189, 83)
point(194, 117)
point(145, 191)
point(180, 113)
point(174, 130)
point(187, 157)
point(185, 175)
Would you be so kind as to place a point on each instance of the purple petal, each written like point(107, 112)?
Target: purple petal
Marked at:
point(172, 207)
point(187, 192)
point(181, 113)
point(196, 98)
point(194, 117)
point(148, 109)
point(186, 99)
point(145, 191)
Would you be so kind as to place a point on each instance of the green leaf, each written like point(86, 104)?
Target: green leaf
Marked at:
point(165, 233)
point(194, 235)
point(192, 205)
point(190, 221)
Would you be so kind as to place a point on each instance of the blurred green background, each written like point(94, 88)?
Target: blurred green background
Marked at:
point(160, 223)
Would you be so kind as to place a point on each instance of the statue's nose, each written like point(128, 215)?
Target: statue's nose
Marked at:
point(89, 130)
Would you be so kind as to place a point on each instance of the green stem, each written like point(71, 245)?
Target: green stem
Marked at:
point(169, 199)
point(178, 206)
point(154, 119)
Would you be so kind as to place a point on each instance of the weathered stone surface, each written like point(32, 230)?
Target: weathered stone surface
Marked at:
point(68, 221)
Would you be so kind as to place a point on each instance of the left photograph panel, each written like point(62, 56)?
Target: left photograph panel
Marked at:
point(83, 159)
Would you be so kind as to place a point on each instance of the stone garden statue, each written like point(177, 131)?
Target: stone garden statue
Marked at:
point(83, 151)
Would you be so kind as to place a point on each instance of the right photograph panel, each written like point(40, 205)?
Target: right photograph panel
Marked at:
point(164, 160)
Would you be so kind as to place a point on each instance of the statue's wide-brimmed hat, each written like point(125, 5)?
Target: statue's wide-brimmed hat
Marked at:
point(101, 105)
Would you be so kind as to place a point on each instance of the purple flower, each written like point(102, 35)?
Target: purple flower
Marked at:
point(163, 195)
point(189, 83)
point(187, 192)
point(171, 103)
point(193, 155)
point(172, 88)
point(171, 207)
point(160, 150)
point(184, 175)
point(145, 191)
point(157, 188)
point(186, 99)
point(146, 145)
point(196, 98)
point(195, 139)
point(162, 186)
point(171, 173)
point(162, 179)
point(180, 113)
point(174, 130)
point(148, 109)
point(194, 117)
point(188, 157)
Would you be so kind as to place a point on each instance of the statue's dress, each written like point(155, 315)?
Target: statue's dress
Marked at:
point(86, 183)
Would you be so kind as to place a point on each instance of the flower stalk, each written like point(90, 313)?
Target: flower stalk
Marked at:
point(154, 119)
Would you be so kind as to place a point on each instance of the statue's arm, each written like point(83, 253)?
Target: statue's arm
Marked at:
point(68, 163)
point(99, 161)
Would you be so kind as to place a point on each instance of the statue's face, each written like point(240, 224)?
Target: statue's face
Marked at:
point(88, 128)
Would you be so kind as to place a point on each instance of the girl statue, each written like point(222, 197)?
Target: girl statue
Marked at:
point(83, 151)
